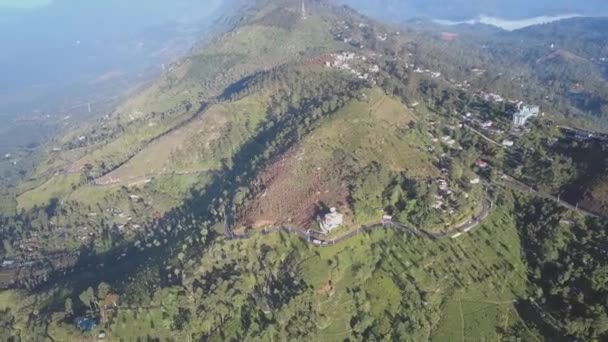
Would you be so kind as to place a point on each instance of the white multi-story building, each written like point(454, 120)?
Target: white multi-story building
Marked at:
point(525, 113)
point(331, 221)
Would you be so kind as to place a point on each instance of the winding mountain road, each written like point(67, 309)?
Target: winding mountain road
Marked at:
point(518, 185)
point(318, 240)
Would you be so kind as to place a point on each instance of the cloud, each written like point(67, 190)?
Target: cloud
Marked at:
point(24, 4)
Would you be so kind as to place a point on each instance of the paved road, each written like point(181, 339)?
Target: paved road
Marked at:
point(318, 240)
point(526, 188)
point(485, 136)
point(518, 185)
point(602, 136)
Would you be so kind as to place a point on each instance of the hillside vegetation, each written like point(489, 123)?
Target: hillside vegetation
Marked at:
point(346, 162)
point(182, 95)
point(154, 222)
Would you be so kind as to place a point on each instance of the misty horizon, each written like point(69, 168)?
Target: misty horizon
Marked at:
point(57, 44)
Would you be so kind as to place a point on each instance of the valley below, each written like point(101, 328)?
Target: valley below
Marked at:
point(312, 174)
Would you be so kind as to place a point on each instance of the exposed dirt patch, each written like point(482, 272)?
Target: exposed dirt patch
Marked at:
point(293, 194)
point(327, 289)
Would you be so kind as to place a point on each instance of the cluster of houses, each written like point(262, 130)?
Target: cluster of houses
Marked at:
point(122, 222)
point(491, 97)
point(344, 62)
point(487, 126)
point(444, 197)
point(345, 33)
point(497, 128)
point(465, 85)
point(446, 139)
point(523, 114)
point(418, 70)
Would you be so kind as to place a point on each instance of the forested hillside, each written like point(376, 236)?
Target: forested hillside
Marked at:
point(561, 65)
point(197, 210)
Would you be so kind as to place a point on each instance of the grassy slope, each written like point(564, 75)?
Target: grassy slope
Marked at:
point(198, 146)
point(321, 167)
point(202, 76)
point(56, 187)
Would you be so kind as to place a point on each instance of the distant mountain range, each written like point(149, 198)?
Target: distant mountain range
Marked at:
point(130, 219)
point(401, 10)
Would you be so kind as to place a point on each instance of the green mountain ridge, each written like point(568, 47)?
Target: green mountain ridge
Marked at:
point(128, 221)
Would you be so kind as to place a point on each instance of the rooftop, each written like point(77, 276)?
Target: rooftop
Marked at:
point(332, 220)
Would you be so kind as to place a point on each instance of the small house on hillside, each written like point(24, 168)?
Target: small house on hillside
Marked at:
point(8, 263)
point(482, 164)
point(331, 221)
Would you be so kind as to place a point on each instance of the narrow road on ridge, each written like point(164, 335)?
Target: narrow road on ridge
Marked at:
point(319, 240)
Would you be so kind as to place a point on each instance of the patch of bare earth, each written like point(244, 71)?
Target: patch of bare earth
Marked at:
point(327, 289)
point(293, 194)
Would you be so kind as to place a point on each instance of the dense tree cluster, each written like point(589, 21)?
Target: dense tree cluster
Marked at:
point(568, 263)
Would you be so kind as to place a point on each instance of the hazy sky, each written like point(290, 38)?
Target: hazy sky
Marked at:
point(24, 4)
point(43, 37)
point(50, 44)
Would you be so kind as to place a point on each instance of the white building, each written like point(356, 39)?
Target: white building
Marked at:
point(508, 143)
point(525, 113)
point(487, 124)
point(332, 221)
